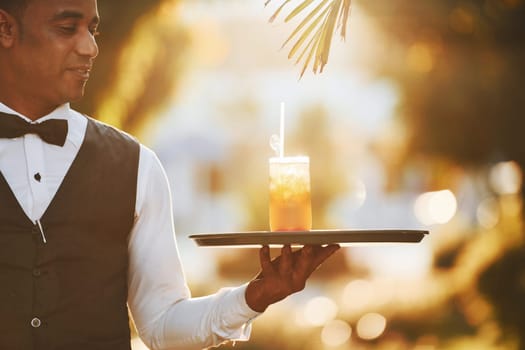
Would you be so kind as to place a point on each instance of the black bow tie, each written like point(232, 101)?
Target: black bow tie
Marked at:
point(53, 131)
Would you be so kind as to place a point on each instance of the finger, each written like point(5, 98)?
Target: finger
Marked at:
point(305, 260)
point(265, 261)
point(323, 253)
point(312, 256)
point(285, 265)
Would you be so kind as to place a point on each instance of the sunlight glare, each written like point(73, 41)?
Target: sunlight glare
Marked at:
point(437, 207)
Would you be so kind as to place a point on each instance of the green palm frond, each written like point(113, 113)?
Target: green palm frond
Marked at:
point(313, 35)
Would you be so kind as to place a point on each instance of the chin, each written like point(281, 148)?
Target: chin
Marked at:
point(74, 85)
point(75, 94)
point(76, 98)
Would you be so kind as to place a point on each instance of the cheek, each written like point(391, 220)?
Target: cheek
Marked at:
point(30, 59)
point(39, 70)
point(43, 55)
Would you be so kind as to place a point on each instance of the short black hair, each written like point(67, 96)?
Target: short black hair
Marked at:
point(14, 7)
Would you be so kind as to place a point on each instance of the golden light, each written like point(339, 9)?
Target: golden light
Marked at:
point(336, 333)
point(371, 326)
point(506, 178)
point(420, 58)
point(210, 44)
point(437, 207)
point(487, 213)
point(426, 342)
point(319, 311)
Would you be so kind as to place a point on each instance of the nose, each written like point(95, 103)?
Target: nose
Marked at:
point(87, 45)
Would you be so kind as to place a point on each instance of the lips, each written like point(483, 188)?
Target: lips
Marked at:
point(81, 72)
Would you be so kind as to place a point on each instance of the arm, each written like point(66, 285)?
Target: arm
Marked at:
point(159, 299)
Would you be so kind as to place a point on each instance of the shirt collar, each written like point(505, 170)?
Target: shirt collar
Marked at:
point(75, 120)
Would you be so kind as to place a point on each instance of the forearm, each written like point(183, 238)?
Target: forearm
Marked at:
point(197, 323)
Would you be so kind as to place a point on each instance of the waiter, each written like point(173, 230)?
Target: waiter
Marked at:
point(86, 227)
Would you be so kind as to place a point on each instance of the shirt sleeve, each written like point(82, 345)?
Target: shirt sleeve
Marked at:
point(165, 314)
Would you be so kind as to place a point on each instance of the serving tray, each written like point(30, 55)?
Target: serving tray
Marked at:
point(342, 237)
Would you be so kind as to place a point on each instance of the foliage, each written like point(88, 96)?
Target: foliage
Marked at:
point(504, 284)
point(149, 70)
point(138, 65)
point(459, 64)
point(117, 22)
point(317, 27)
point(460, 67)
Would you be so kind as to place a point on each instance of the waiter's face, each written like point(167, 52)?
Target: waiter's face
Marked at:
point(55, 49)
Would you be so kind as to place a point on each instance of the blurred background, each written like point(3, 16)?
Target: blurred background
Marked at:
point(416, 122)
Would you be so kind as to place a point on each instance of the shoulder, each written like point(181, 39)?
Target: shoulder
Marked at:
point(149, 162)
point(109, 131)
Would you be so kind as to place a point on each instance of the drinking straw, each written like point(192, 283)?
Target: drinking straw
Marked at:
point(281, 132)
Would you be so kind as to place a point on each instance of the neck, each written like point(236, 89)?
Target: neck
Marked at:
point(31, 110)
point(19, 99)
point(31, 113)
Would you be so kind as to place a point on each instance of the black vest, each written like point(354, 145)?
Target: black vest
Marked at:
point(70, 293)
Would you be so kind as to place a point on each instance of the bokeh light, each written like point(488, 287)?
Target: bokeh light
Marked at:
point(506, 178)
point(420, 58)
point(336, 333)
point(437, 207)
point(357, 295)
point(371, 326)
point(320, 310)
point(488, 213)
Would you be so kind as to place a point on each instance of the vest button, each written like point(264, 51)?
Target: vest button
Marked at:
point(35, 322)
point(37, 272)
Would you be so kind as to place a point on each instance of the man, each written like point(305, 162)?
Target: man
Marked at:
point(85, 211)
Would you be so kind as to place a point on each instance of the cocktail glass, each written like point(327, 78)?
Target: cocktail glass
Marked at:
point(290, 200)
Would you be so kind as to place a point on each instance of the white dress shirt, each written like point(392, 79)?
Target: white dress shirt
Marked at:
point(166, 315)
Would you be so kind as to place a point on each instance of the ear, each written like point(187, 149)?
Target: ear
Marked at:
point(8, 29)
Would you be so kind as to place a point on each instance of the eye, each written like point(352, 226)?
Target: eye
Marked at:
point(68, 29)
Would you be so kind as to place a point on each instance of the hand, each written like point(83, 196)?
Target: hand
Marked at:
point(285, 274)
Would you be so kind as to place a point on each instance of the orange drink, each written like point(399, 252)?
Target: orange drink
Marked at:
point(290, 203)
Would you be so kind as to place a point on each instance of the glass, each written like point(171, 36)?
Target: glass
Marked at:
point(290, 201)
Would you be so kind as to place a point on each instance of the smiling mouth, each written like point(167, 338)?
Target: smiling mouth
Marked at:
point(81, 72)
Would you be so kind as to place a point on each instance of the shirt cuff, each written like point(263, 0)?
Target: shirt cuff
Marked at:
point(236, 324)
point(245, 310)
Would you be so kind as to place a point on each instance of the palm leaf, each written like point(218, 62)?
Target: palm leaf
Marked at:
point(276, 13)
point(343, 17)
point(314, 41)
point(323, 50)
point(298, 9)
point(318, 26)
point(306, 33)
point(306, 20)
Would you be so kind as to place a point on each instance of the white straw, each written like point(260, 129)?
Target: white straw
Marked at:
point(281, 130)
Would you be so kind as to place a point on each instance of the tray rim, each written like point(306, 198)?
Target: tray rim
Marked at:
point(344, 237)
